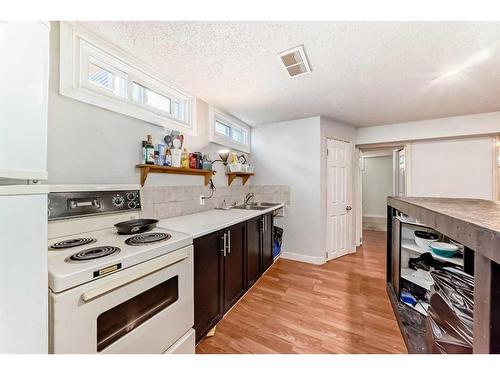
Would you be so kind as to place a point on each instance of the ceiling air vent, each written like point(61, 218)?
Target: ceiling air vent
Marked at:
point(295, 61)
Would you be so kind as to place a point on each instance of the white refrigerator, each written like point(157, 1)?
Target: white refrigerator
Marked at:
point(24, 72)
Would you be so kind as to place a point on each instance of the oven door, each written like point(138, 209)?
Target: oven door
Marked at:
point(142, 309)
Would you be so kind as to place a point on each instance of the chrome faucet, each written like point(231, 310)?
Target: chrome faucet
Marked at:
point(248, 197)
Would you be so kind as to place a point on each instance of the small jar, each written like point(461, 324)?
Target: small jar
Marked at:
point(193, 161)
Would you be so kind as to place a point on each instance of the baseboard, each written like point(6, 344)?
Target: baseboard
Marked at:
point(344, 253)
point(378, 223)
point(303, 258)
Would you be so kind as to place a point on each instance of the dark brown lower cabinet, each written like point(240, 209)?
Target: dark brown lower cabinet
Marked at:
point(267, 241)
point(226, 264)
point(234, 265)
point(254, 228)
point(208, 282)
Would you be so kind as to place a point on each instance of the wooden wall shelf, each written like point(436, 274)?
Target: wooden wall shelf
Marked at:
point(146, 169)
point(232, 175)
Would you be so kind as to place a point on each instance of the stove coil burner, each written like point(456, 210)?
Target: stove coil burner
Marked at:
point(67, 244)
point(93, 253)
point(147, 238)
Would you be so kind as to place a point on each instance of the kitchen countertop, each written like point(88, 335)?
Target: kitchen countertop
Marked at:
point(202, 223)
point(473, 222)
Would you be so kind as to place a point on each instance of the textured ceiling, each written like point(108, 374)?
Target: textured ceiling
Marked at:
point(363, 73)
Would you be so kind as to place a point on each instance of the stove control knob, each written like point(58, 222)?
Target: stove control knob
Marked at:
point(118, 201)
point(132, 205)
point(131, 196)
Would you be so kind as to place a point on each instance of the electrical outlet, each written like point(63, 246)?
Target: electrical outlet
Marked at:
point(202, 200)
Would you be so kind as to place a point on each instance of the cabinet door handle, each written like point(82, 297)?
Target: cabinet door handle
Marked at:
point(265, 224)
point(224, 244)
point(229, 242)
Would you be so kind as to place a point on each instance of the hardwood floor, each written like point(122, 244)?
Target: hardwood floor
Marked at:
point(338, 307)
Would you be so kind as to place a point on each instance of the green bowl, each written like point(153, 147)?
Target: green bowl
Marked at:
point(444, 253)
point(443, 249)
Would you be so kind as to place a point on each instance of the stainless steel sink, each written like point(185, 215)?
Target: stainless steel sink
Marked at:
point(256, 206)
point(269, 204)
point(250, 207)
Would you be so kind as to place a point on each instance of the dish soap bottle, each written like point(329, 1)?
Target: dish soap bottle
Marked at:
point(150, 151)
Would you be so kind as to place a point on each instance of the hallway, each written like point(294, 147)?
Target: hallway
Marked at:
point(338, 307)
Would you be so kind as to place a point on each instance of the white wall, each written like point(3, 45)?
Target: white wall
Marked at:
point(294, 153)
point(288, 153)
point(447, 157)
point(88, 144)
point(458, 126)
point(377, 185)
point(460, 168)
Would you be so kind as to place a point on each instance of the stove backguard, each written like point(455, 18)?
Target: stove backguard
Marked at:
point(62, 205)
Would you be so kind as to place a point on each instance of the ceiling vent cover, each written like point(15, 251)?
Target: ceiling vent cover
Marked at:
point(295, 61)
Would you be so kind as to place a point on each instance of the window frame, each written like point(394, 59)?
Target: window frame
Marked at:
point(233, 123)
point(84, 73)
point(78, 46)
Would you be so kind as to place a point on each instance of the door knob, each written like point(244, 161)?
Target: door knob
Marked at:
point(348, 208)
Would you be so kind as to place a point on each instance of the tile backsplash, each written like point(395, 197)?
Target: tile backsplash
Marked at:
point(161, 202)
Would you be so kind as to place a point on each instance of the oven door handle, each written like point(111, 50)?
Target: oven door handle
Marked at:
point(140, 272)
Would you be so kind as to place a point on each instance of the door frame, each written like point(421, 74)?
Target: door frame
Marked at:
point(381, 149)
point(496, 168)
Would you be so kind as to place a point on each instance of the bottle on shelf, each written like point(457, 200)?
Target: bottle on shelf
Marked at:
point(168, 158)
point(161, 149)
point(144, 152)
point(193, 162)
point(176, 157)
point(199, 160)
point(184, 159)
point(150, 150)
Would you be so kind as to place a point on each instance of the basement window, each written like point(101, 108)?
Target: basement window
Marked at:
point(148, 97)
point(94, 71)
point(106, 78)
point(228, 131)
point(222, 129)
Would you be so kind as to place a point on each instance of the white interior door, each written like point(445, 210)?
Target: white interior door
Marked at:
point(339, 199)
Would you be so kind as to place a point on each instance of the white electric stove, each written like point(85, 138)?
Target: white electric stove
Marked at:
point(113, 293)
